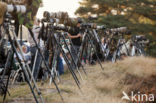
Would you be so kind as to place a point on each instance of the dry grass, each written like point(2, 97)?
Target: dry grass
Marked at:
point(133, 73)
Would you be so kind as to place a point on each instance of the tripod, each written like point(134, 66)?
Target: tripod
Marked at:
point(87, 40)
point(72, 48)
point(25, 67)
point(117, 53)
point(97, 39)
point(45, 63)
point(55, 36)
point(9, 27)
point(137, 49)
point(3, 86)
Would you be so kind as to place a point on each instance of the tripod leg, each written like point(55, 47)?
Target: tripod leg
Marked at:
point(33, 69)
point(98, 41)
point(7, 64)
point(83, 48)
point(114, 57)
point(53, 66)
point(127, 49)
point(75, 64)
point(79, 61)
point(47, 67)
point(14, 78)
point(25, 70)
point(69, 66)
point(92, 45)
point(6, 89)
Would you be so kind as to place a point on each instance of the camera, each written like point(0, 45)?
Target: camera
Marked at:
point(140, 38)
point(57, 17)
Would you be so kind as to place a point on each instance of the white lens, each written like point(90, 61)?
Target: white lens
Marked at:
point(10, 8)
point(23, 9)
point(57, 20)
point(19, 8)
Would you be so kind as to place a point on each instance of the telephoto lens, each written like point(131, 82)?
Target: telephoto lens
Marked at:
point(101, 27)
point(88, 25)
point(119, 30)
point(63, 28)
point(16, 8)
point(10, 9)
point(122, 29)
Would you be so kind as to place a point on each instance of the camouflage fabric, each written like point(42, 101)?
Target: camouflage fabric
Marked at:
point(16, 2)
point(28, 17)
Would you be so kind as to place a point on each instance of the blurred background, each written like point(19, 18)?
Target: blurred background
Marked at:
point(138, 15)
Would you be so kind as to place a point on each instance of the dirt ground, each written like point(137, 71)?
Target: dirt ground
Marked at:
point(99, 86)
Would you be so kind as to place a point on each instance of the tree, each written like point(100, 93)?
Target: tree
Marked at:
point(138, 15)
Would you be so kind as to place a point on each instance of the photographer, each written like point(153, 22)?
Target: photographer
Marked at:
point(75, 36)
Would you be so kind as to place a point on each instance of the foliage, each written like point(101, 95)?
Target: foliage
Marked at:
point(138, 15)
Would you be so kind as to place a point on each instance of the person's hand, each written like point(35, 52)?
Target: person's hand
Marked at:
point(79, 35)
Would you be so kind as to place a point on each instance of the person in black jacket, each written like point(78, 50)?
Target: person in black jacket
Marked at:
point(75, 36)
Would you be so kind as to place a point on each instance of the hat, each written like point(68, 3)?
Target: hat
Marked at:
point(3, 8)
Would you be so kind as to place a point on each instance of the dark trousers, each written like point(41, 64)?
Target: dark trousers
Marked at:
point(60, 65)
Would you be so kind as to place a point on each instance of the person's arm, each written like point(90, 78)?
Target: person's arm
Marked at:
point(75, 36)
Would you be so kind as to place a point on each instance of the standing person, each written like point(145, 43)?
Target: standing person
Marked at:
point(35, 62)
point(75, 36)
